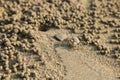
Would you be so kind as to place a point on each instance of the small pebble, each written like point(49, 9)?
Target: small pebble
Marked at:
point(60, 37)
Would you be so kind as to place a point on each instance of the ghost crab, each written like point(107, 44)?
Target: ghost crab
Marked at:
point(73, 42)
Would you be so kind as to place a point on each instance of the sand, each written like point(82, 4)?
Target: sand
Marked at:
point(59, 40)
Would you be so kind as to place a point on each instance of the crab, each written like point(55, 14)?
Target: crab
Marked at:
point(73, 42)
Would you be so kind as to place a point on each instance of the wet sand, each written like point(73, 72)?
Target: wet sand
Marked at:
point(59, 39)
